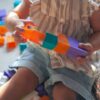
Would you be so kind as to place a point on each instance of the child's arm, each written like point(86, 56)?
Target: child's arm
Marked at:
point(21, 11)
point(95, 23)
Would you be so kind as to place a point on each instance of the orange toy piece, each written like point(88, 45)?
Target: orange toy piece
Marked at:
point(30, 32)
point(63, 44)
point(10, 42)
point(3, 30)
point(44, 98)
point(1, 40)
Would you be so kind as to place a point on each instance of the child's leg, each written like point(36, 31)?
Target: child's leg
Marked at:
point(61, 92)
point(21, 84)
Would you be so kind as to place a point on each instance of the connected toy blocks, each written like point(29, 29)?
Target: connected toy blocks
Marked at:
point(61, 43)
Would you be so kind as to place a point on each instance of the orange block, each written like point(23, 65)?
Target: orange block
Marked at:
point(1, 40)
point(10, 42)
point(45, 98)
point(3, 30)
point(33, 35)
point(63, 45)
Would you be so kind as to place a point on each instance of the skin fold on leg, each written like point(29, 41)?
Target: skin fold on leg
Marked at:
point(21, 84)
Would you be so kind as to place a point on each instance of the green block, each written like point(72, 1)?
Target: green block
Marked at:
point(50, 41)
point(22, 47)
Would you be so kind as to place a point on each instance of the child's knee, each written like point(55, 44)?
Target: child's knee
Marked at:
point(64, 93)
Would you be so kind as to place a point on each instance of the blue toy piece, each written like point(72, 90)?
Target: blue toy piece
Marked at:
point(22, 47)
point(2, 23)
point(16, 3)
point(9, 73)
point(2, 13)
point(41, 90)
point(74, 50)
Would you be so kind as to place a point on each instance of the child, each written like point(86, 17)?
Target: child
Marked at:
point(65, 78)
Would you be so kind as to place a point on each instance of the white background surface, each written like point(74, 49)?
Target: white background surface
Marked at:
point(6, 58)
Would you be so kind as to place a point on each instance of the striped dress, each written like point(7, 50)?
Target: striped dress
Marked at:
point(69, 17)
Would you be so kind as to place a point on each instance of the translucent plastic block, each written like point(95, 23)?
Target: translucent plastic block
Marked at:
point(2, 40)
point(3, 30)
point(50, 41)
point(10, 42)
point(63, 44)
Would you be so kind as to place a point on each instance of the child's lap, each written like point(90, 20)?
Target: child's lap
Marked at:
point(38, 61)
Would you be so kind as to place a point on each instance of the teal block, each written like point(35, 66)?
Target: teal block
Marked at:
point(22, 47)
point(50, 41)
point(2, 23)
point(16, 3)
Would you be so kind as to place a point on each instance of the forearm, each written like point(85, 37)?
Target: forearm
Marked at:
point(20, 12)
point(95, 41)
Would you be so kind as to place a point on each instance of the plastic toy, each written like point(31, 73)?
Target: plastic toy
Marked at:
point(60, 43)
point(9, 73)
point(10, 42)
point(16, 3)
point(3, 30)
point(22, 47)
point(2, 13)
point(41, 90)
point(5, 76)
point(2, 40)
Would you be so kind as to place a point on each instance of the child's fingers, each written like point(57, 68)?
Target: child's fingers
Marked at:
point(86, 46)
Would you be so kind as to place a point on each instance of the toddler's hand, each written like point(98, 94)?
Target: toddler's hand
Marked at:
point(17, 33)
point(89, 48)
point(19, 29)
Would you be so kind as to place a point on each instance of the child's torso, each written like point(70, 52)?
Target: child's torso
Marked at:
point(70, 17)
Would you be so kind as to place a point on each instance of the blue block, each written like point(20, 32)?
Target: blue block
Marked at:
point(22, 47)
point(2, 23)
point(9, 73)
point(74, 50)
point(41, 90)
point(2, 13)
point(16, 3)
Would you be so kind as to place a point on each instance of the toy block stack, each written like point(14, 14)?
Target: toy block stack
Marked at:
point(61, 44)
point(3, 29)
point(10, 42)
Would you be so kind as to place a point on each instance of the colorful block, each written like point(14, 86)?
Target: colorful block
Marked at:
point(50, 41)
point(22, 47)
point(33, 35)
point(60, 43)
point(41, 90)
point(3, 13)
point(10, 42)
point(3, 30)
point(2, 40)
point(16, 3)
point(9, 73)
point(2, 23)
point(74, 50)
